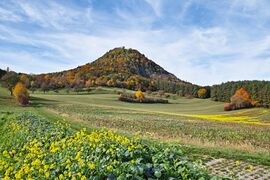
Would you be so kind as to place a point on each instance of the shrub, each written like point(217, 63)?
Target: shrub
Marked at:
point(139, 95)
point(255, 103)
point(229, 107)
point(20, 93)
point(133, 99)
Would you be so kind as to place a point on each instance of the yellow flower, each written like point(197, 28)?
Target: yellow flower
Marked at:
point(47, 174)
point(37, 162)
point(40, 170)
point(109, 168)
point(5, 153)
point(6, 178)
point(69, 174)
point(250, 168)
point(61, 177)
point(237, 163)
point(18, 175)
point(26, 170)
point(51, 166)
point(111, 150)
point(91, 166)
point(78, 155)
point(83, 178)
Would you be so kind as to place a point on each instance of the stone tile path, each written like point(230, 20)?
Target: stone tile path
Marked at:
point(238, 169)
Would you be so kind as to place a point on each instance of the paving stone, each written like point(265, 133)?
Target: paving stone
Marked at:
point(228, 168)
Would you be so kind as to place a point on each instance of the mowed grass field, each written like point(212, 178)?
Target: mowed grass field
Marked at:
point(199, 127)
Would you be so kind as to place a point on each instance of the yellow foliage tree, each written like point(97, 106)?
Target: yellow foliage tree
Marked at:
point(20, 93)
point(202, 93)
point(139, 95)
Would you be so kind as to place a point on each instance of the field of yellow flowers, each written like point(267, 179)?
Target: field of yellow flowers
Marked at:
point(35, 148)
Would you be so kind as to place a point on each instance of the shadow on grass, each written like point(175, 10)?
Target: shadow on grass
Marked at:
point(41, 102)
point(6, 97)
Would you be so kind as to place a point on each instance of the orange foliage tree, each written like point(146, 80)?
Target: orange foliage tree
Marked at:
point(243, 94)
point(20, 93)
point(139, 95)
point(239, 100)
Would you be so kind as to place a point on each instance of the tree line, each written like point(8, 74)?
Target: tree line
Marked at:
point(76, 80)
point(257, 90)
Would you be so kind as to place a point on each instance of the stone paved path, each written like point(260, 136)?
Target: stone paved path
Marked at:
point(238, 169)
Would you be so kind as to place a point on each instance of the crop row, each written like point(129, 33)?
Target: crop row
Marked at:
point(37, 148)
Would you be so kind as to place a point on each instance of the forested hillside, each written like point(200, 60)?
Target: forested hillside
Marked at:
point(120, 67)
point(258, 90)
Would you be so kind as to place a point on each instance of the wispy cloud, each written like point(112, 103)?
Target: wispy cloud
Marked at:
point(203, 41)
point(156, 6)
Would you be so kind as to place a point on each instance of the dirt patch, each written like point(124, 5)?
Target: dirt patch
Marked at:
point(65, 115)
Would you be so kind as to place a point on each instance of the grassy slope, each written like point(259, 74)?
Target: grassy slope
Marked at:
point(93, 116)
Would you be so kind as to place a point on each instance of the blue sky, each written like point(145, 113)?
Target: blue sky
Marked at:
point(201, 41)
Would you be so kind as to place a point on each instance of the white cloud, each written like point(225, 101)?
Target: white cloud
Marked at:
point(202, 55)
point(6, 15)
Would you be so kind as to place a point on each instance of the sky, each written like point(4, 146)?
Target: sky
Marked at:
point(205, 42)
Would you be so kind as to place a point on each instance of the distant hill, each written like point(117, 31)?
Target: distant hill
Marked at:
point(129, 62)
point(120, 67)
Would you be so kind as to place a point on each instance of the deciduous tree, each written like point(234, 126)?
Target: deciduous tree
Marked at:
point(21, 95)
point(202, 93)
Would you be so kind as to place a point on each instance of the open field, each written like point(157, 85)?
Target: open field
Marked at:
point(185, 120)
point(199, 127)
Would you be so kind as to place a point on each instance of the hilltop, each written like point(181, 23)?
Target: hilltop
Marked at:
point(130, 62)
